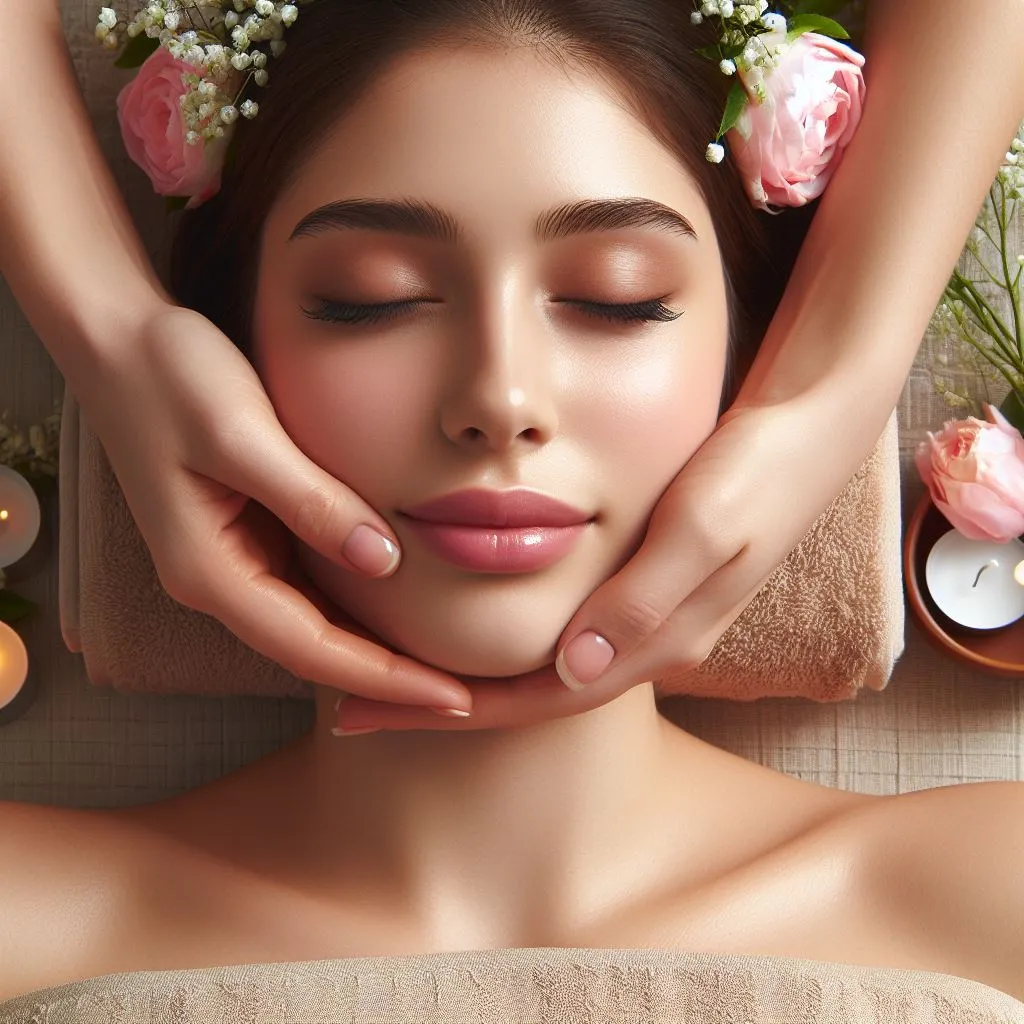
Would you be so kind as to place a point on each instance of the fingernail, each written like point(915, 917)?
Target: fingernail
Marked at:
point(450, 712)
point(583, 659)
point(370, 551)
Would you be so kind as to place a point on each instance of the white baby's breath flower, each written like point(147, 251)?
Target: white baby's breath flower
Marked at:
point(229, 113)
point(715, 153)
point(259, 59)
point(696, 18)
point(260, 77)
point(240, 61)
point(289, 13)
point(230, 20)
point(726, 8)
point(193, 138)
point(108, 16)
point(727, 67)
point(102, 31)
point(264, 8)
point(709, 8)
point(239, 38)
point(774, 22)
point(249, 109)
point(172, 19)
point(111, 42)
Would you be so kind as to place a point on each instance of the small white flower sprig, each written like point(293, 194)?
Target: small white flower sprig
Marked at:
point(750, 45)
point(226, 41)
point(981, 313)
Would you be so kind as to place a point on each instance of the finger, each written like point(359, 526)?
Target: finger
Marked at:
point(281, 623)
point(690, 633)
point(635, 603)
point(319, 510)
point(497, 704)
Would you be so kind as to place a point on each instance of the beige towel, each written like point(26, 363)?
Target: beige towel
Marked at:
point(524, 986)
point(828, 622)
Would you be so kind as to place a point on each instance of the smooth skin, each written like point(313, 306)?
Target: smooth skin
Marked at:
point(943, 105)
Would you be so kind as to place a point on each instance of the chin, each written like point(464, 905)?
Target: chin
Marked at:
point(495, 627)
point(493, 637)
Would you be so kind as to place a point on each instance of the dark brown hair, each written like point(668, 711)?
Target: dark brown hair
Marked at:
point(644, 48)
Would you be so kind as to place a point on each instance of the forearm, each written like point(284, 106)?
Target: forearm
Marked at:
point(68, 248)
point(945, 95)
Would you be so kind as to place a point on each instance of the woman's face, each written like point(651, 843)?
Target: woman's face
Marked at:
point(516, 216)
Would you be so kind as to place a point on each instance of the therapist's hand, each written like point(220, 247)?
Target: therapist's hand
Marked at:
point(195, 444)
point(737, 509)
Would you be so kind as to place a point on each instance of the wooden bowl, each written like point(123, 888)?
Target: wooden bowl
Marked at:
point(996, 651)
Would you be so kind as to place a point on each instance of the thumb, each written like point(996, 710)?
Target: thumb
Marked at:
point(634, 604)
point(320, 510)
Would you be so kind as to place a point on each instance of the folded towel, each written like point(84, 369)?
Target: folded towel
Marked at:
point(827, 622)
point(514, 986)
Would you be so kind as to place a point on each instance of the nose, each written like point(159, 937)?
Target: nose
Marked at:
point(501, 395)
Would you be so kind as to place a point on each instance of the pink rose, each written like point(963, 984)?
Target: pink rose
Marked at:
point(153, 128)
point(788, 146)
point(975, 473)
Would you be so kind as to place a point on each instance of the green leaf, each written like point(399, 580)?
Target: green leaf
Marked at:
point(172, 203)
point(711, 52)
point(825, 7)
point(13, 608)
point(137, 51)
point(1012, 407)
point(815, 23)
point(734, 106)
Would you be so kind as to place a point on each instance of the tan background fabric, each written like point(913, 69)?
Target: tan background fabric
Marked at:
point(525, 986)
point(936, 724)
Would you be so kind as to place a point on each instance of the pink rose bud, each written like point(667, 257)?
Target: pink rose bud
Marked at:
point(974, 471)
point(788, 146)
point(153, 128)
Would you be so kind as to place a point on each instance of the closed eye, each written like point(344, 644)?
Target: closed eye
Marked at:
point(648, 310)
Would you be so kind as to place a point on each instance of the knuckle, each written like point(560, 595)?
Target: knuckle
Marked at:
point(636, 618)
point(314, 513)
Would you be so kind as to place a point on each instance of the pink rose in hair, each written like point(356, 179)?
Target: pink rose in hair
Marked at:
point(975, 474)
point(149, 112)
point(788, 146)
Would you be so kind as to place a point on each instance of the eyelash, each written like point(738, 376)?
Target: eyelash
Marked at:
point(628, 312)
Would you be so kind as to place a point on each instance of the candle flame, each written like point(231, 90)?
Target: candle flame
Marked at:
point(3, 514)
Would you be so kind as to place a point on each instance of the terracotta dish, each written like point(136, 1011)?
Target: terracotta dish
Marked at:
point(997, 651)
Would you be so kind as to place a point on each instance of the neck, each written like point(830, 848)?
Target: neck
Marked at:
point(540, 823)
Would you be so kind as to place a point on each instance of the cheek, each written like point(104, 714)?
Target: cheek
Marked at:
point(661, 406)
point(345, 406)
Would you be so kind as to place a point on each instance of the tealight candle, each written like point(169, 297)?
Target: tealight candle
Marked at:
point(975, 582)
point(19, 516)
point(13, 664)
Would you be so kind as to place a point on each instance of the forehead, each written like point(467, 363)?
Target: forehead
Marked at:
point(478, 131)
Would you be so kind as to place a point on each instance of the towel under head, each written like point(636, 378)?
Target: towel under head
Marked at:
point(828, 622)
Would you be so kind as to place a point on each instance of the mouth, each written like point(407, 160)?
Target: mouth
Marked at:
point(488, 531)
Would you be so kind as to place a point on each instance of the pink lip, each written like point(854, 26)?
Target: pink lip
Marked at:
point(498, 531)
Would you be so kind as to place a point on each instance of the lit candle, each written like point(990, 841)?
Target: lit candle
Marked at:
point(13, 664)
point(19, 516)
point(976, 582)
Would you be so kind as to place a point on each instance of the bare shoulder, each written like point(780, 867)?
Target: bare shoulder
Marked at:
point(67, 880)
point(944, 867)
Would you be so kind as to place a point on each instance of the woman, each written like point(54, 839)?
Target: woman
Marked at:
point(65, 236)
point(529, 316)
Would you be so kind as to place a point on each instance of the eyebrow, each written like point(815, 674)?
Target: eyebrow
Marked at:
point(424, 220)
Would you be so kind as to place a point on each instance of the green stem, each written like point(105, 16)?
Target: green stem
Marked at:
point(993, 316)
point(1014, 297)
point(1007, 355)
point(1008, 352)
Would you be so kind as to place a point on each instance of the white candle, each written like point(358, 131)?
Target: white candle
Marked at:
point(19, 516)
point(13, 664)
point(974, 582)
